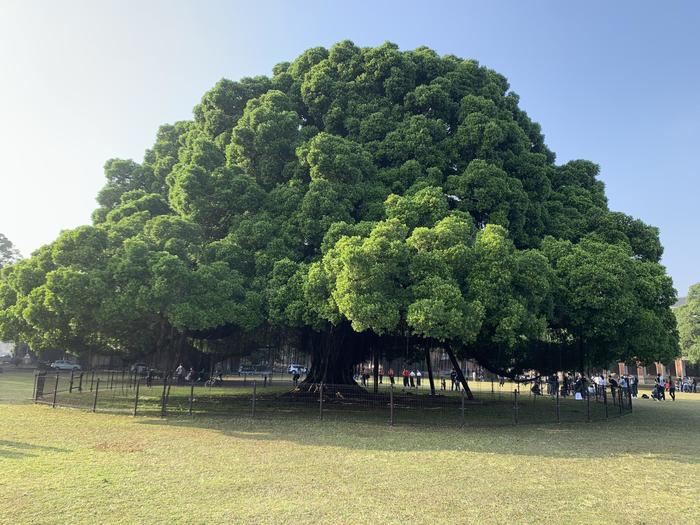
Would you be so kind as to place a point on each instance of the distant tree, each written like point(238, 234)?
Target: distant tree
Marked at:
point(8, 253)
point(688, 316)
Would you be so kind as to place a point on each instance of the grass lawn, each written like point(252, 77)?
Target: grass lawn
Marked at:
point(71, 466)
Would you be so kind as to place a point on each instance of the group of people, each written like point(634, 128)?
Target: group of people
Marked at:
point(411, 379)
point(661, 386)
point(581, 386)
point(454, 382)
point(687, 384)
point(192, 376)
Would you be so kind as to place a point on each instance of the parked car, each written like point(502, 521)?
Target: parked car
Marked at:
point(246, 371)
point(296, 369)
point(157, 373)
point(139, 368)
point(62, 364)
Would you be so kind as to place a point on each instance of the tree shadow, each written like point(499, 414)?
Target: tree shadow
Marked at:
point(653, 432)
point(18, 450)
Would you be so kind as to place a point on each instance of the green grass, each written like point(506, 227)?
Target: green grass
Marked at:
point(70, 466)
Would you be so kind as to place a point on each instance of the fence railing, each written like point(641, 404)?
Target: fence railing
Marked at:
point(122, 392)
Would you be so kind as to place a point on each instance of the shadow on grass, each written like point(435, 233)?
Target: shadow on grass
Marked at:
point(667, 432)
point(16, 449)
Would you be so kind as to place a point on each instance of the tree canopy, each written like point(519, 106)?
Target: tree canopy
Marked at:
point(688, 316)
point(358, 200)
point(8, 253)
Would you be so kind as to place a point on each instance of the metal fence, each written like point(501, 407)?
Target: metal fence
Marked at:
point(505, 404)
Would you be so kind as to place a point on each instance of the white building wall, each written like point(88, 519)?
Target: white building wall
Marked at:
point(6, 348)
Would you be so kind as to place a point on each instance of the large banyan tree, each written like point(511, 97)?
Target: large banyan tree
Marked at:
point(358, 202)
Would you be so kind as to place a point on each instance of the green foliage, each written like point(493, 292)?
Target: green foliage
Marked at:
point(8, 253)
point(688, 317)
point(362, 194)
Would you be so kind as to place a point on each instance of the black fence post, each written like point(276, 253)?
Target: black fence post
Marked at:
point(80, 382)
point(605, 401)
point(92, 380)
point(515, 406)
point(558, 408)
point(191, 396)
point(97, 389)
point(36, 382)
point(391, 405)
point(70, 385)
point(40, 383)
point(255, 390)
point(111, 380)
point(136, 399)
point(588, 406)
point(629, 398)
point(462, 421)
point(320, 402)
point(163, 399)
point(55, 391)
point(619, 398)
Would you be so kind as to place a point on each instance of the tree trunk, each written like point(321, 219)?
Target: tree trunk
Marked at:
point(430, 370)
point(178, 351)
point(376, 370)
point(332, 358)
point(458, 371)
point(581, 357)
point(160, 342)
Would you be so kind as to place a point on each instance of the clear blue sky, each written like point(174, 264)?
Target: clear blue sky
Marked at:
point(614, 82)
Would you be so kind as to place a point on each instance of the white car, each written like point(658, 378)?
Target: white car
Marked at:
point(296, 369)
point(62, 364)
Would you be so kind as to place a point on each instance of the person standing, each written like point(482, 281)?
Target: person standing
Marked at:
point(578, 387)
point(412, 376)
point(405, 375)
point(453, 378)
point(419, 375)
point(695, 385)
point(180, 373)
point(624, 385)
point(671, 388)
point(391, 375)
point(381, 374)
point(613, 386)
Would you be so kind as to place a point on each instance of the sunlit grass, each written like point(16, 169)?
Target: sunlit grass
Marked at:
point(72, 466)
